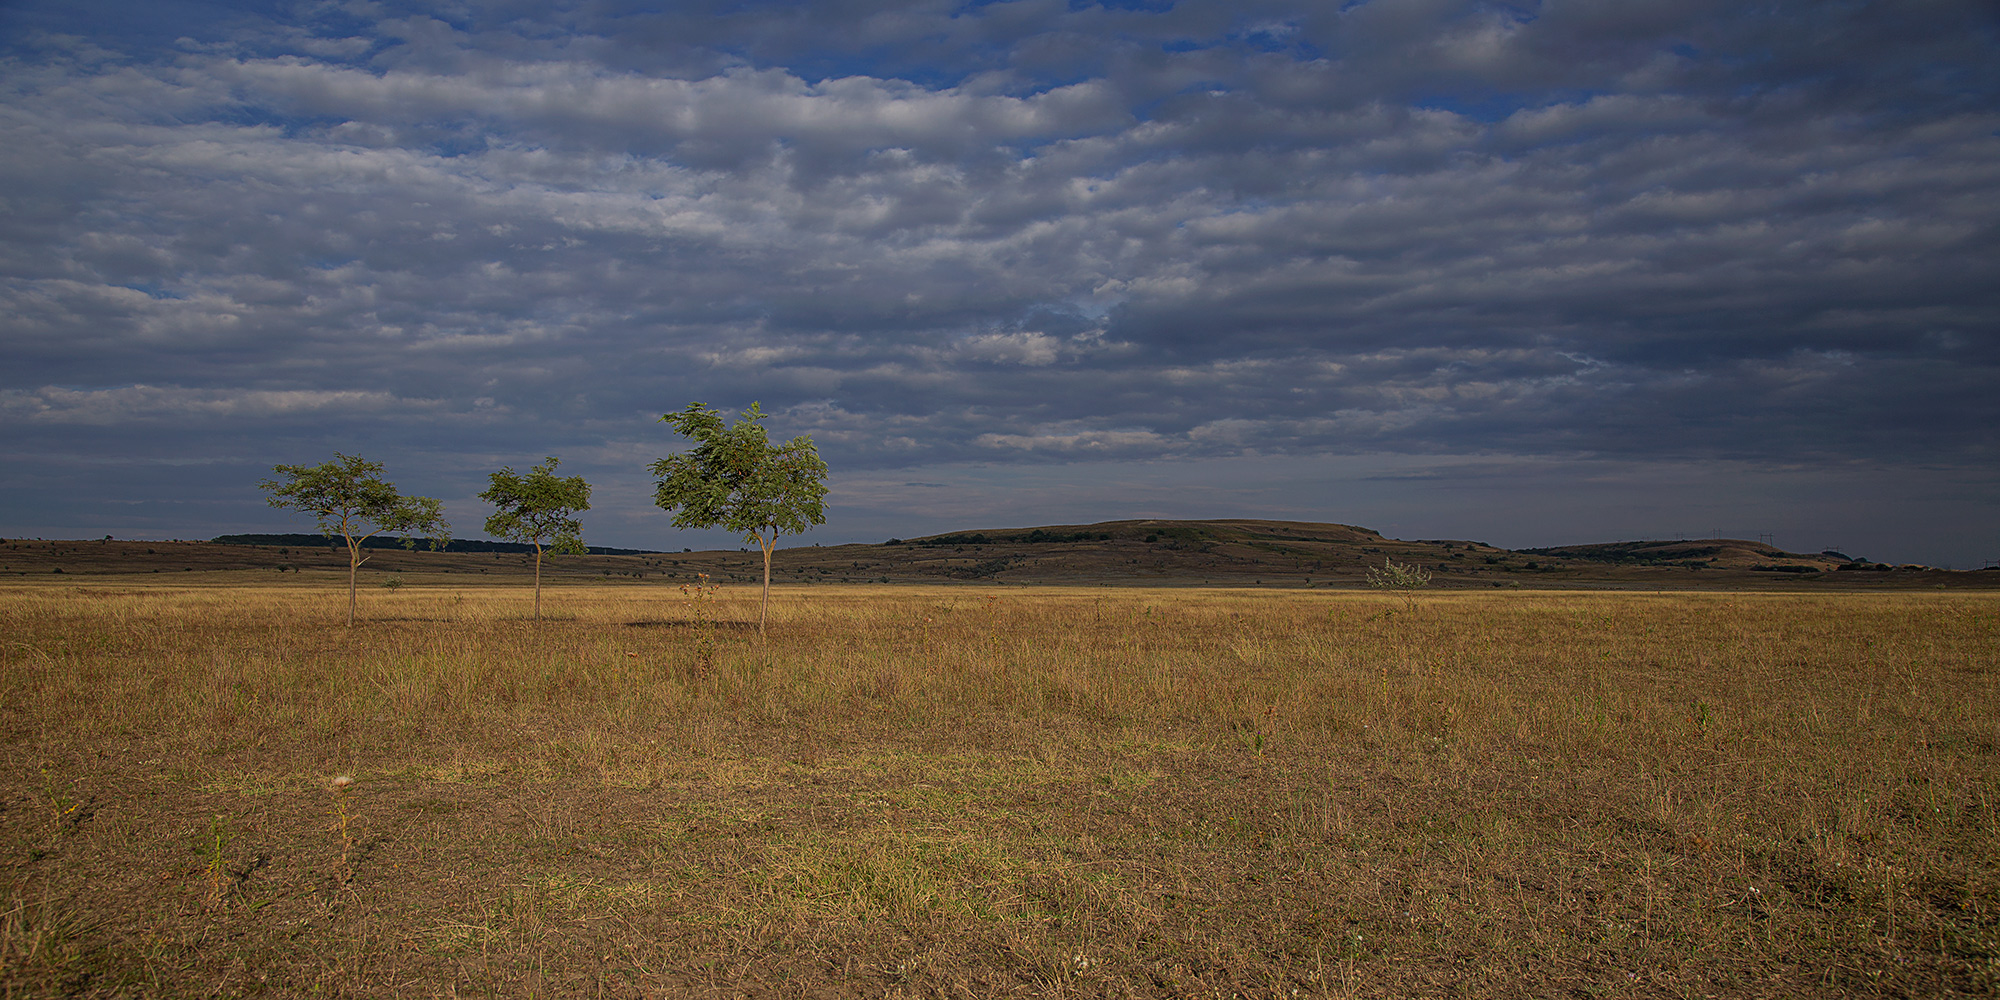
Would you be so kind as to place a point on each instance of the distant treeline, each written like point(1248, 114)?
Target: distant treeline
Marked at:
point(379, 542)
point(1035, 537)
point(1632, 554)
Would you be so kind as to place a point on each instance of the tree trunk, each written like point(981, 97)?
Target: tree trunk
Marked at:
point(353, 564)
point(538, 579)
point(764, 610)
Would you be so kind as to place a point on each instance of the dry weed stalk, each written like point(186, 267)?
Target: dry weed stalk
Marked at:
point(343, 823)
point(214, 850)
point(699, 598)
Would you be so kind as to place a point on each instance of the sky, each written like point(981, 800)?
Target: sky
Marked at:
point(1527, 273)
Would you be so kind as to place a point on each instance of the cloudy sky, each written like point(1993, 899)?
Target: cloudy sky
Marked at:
point(1530, 273)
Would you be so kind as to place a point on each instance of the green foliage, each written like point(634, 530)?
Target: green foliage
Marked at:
point(537, 507)
point(1042, 537)
point(734, 478)
point(214, 853)
point(961, 539)
point(348, 497)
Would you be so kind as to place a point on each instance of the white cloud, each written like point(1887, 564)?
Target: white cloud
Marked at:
point(1031, 348)
point(135, 403)
point(1075, 440)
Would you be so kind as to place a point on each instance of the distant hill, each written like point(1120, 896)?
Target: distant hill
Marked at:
point(1719, 553)
point(1230, 552)
point(1315, 554)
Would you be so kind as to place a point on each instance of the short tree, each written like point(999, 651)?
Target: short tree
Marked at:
point(735, 479)
point(348, 497)
point(538, 507)
point(1407, 578)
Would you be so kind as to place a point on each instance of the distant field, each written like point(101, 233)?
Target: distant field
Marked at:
point(994, 791)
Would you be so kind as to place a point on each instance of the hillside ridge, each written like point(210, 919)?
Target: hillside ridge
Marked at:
point(1234, 552)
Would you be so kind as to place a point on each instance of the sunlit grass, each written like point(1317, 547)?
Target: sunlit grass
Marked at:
point(947, 790)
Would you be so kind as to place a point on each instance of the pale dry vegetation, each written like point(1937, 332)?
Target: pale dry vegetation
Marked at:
point(983, 792)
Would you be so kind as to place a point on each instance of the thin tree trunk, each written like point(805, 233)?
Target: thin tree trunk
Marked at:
point(353, 564)
point(538, 579)
point(765, 610)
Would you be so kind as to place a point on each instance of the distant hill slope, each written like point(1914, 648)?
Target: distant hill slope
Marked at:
point(1238, 551)
point(1225, 552)
point(1719, 553)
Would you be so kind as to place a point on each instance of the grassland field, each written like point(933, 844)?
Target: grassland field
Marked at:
point(967, 791)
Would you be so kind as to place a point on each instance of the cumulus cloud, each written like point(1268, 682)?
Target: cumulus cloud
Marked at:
point(1028, 233)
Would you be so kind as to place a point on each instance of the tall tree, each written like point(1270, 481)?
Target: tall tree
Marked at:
point(538, 506)
point(734, 478)
point(348, 497)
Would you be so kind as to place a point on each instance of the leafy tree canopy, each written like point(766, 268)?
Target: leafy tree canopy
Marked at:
point(734, 478)
point(535, 507)
point(348, 497)
point(538, 507)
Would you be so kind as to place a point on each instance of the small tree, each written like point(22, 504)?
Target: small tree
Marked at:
point(1407, 578)
point(735, 479)
point(348, 497)
point(538, 506)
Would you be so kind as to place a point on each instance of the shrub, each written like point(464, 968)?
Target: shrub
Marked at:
point(1398, 576)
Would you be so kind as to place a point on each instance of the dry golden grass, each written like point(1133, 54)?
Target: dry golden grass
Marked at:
point(962, 792)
